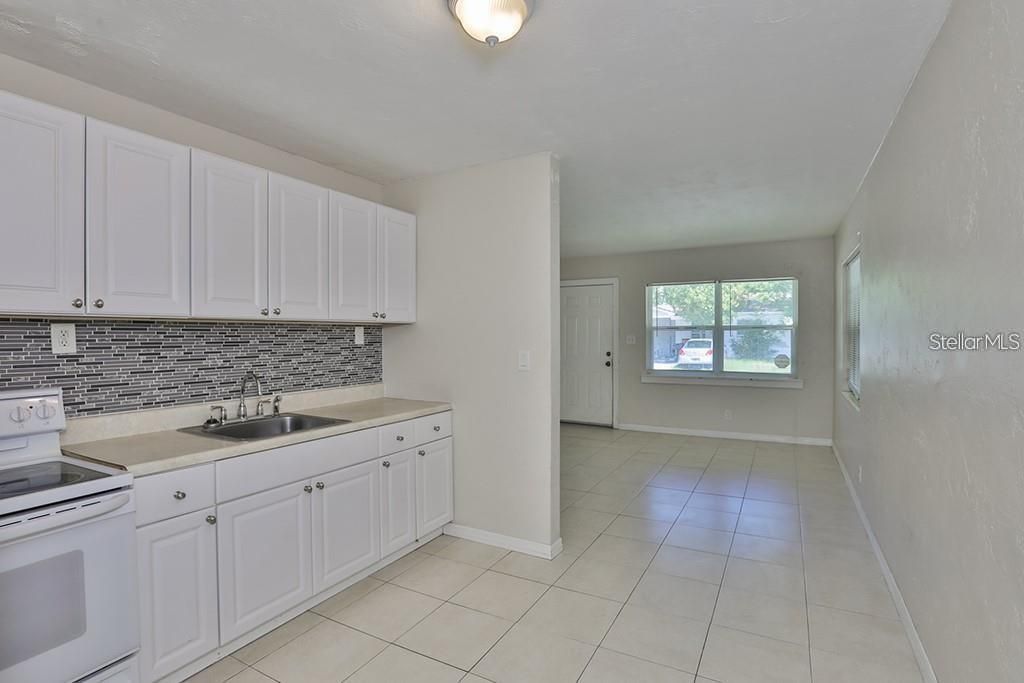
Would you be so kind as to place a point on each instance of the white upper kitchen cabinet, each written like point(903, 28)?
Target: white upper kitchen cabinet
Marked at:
point(137, 223)
point(299, 282)
point(353, 258)
point(434, 482)
point(229, 238)
point(263, 552)
point(178, 592)
point(398, 501)
point(346, 523)
point(397, 265)
point(42, 195)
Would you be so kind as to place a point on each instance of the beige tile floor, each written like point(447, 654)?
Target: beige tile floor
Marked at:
point(686, 559)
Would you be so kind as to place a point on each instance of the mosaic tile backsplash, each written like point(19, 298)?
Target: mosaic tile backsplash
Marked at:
point(126, 365)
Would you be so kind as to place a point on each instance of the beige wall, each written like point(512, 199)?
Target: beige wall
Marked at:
point(790, 413)
point(940, 435)
point(488, 242)
point(50, 87)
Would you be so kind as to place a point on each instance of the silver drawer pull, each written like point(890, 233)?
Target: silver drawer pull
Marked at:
point(422, 452)
point(320, 485)
point(386, 464)
point(400, 437)
point(210, 519)
point(437, 428)
point(307, 488)
point(179, 495)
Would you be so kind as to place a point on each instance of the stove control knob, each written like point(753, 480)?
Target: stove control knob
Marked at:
point(19, 415)
point(46, 410)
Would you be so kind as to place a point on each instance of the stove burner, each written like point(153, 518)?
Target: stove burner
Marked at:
point(41, 476)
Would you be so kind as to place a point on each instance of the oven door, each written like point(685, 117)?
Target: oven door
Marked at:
point(68, 596)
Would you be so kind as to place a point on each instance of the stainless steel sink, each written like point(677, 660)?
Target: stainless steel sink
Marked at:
point(265, 427)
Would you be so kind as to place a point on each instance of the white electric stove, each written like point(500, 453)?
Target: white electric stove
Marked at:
point(68, 597)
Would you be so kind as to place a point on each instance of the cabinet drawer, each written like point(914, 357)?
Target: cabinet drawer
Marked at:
point(169, 494)
point(433, 427)
point(397, 437)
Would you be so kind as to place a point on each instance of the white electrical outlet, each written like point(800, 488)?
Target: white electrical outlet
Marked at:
point(630, 339)
point(62, 339)
point(360, 338)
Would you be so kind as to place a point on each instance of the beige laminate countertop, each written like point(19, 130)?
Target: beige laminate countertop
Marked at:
point(170, 450)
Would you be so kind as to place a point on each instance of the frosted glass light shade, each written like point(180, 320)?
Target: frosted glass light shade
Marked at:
point(490, 21)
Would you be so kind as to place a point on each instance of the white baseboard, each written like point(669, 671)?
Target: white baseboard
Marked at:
point(520, 545)
point(901, 607)
point(743, 436)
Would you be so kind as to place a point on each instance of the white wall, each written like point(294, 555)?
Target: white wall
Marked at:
point(790, 413)
point(940, 435)
point(50, 87)
point(487, 289)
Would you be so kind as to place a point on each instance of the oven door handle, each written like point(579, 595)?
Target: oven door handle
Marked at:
point(59, 519)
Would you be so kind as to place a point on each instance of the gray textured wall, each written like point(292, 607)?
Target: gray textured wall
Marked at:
point(940, 435)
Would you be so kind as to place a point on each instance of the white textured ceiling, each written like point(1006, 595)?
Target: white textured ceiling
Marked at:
point(679, 122)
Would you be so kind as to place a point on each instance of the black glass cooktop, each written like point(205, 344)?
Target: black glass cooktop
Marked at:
point(40, 476)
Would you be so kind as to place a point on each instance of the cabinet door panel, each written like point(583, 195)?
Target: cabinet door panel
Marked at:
point(353, 258)
point(398, 501)
point(263, 552)
point(137, 223)
point(346, 523)
point(298, 249)
point(397, 265)
point(178, 587)
point(42, 192)
point(229, 238)
point(434, 498)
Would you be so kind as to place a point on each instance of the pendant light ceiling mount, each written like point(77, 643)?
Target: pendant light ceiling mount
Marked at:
point(491, 21)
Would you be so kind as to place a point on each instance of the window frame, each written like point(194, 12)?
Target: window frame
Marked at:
point(854, 389)
point(718, 373)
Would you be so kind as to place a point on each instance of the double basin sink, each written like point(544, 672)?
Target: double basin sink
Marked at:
point(265, 427)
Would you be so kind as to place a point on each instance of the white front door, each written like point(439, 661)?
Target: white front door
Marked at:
point(588, 314)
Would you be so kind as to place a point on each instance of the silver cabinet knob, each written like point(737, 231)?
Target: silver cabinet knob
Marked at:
point(98, 303)
point(210, 519)
point(376, 315)
point(437, 428)
point(320, 485)
point(400, 437)
point(386, 464)
point(179, 495)
point(307, 488)
point(77, 303)
point(422, 452)
point(264, 311)
point(383, 315)
point(277, 311)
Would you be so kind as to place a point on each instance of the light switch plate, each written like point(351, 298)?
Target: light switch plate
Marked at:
point(524, 360)
point(360, 337)
point(62, 339)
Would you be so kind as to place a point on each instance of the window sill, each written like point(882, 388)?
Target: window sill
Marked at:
point(756, 382)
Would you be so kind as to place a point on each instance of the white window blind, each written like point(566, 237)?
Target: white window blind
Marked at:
point(852, 325)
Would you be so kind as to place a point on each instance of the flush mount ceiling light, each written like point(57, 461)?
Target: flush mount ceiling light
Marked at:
point(491, 21)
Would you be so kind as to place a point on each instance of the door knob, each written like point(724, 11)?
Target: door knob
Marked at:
point(210, 519)
point(422, 452)
point(179, 495)
point(277, 311)
point(608, 363)
point(376, 315)
point(386, 464)
point(77, 303)
point(98, 303)
point(264, 311)
point(608, 353)
point(383, 315)
point(307, 488)
point(320, 485)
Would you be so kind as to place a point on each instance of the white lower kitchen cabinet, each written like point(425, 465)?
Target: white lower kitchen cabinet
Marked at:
point(398, 501)
point(178, 592)
point(346, 523)
point(434, 484)
point(263, 552)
